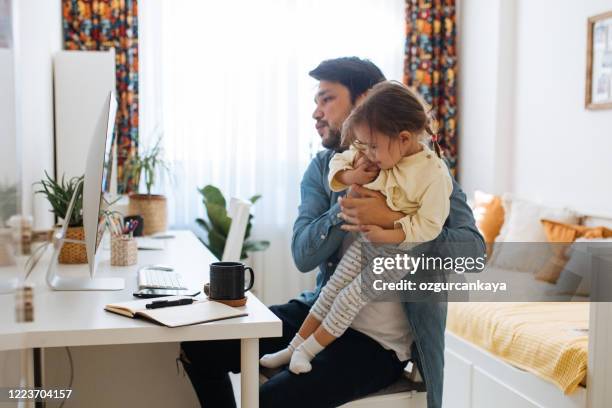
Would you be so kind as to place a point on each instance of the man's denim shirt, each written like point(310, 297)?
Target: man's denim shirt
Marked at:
point(317, 241)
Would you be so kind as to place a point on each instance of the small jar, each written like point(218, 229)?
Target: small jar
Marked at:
point(124, 251)
point(22, 233)
point(7, 248)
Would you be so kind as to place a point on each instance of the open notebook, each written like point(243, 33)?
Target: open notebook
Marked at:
point(201, 311)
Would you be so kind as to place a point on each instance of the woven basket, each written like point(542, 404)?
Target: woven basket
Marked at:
point(72, 253)
point(153, 210)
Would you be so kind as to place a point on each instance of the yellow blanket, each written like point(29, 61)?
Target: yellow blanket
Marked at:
point(547, 339)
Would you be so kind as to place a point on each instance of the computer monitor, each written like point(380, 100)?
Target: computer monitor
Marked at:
point(97, 178)
point(96, 181)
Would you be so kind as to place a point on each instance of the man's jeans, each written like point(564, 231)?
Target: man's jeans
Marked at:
point(351, 367)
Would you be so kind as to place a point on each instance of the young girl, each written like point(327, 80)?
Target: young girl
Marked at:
point(386, 130)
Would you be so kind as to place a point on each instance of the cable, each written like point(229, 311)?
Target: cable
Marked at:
point(33, 256)
point(71, 374)
point(33, 260)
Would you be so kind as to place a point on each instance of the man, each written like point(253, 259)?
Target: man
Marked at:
point(357, 364)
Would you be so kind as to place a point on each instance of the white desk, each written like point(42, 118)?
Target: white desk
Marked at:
point(78, 318)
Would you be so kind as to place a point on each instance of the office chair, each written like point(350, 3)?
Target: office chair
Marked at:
point(239, 213)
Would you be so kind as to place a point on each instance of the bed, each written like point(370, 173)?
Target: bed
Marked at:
point(516, 354)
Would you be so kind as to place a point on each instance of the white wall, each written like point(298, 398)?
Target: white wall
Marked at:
point(38, 36)
point(563, 151)
point(524, 127)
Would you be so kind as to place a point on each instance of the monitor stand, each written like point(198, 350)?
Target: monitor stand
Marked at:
point(57, 282)
point(68, 283)
point(76, 283)
point(9, 285)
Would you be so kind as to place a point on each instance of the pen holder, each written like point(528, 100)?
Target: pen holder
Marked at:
point(124, 251)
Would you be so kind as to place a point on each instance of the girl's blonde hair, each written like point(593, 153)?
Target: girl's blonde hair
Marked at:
point(391, 107)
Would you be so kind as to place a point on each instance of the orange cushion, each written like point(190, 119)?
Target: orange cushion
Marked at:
point(558, 233)
point(489, 216)
point(597, 232)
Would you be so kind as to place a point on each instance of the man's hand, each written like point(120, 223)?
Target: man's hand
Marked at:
point(372, 233)
point(363, 206)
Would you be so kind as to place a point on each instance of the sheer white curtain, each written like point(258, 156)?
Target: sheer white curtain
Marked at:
point(226, 83)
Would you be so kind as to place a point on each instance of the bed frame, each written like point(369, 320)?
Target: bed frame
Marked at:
point(475, 378)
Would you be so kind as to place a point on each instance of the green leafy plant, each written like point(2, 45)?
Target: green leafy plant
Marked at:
point(218, 223)
point(149, 164)
point(59, 195)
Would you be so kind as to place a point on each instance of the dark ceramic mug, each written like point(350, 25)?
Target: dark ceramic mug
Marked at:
point(227, 281)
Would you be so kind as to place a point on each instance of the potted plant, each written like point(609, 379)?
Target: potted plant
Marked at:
point(59, 195)
point(151, 207)
point(218, 224)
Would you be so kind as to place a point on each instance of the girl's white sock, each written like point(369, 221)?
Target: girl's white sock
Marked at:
point(303, 355)
point(282, 357)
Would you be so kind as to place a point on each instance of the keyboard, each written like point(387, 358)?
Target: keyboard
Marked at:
point(159, 277)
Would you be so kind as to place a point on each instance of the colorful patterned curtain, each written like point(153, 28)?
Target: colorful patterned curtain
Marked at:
point(101, 25)
point(430, 65)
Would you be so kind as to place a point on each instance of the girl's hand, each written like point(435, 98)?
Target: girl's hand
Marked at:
point(360, 175)
point(372, 233)
point(364, 174)
point(362, 160)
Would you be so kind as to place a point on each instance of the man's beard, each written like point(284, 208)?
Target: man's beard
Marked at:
point(332, 141)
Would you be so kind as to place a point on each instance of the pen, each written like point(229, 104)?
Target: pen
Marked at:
point(116, 225)
point(156, 304)
point(133, 226)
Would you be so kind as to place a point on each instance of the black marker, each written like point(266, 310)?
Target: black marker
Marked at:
point(156, 304)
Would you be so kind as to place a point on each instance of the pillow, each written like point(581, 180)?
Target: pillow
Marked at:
point(489, 215)
point(507, 206)
point(560, 232)
point(522, 226)
point(597, 232)
point(575, 278)
point(560, 235)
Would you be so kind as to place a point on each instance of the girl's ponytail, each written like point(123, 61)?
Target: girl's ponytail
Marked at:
point(431, 128)
point(434, 141)
point(437, 147)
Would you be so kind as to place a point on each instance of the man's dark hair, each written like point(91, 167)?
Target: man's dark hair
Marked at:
point(357, 74)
